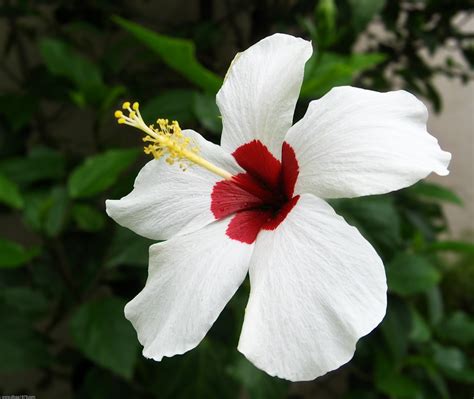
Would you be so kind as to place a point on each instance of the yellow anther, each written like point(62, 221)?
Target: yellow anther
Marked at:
point(168, 140)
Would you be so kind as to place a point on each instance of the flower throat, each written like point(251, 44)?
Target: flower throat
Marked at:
point(257, 199)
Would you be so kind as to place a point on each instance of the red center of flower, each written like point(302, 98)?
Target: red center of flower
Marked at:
point(262, 197)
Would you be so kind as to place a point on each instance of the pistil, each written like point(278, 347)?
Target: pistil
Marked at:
point(167, 140)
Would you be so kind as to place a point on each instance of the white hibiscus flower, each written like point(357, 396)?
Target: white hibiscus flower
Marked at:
point(257, 204)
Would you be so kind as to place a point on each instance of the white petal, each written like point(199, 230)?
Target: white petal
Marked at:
point(166, 200)
point(190, 280)
point(355, 142)
point(317, 286)
point(259, 94)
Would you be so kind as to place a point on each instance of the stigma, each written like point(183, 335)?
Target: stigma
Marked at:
point(164, 139)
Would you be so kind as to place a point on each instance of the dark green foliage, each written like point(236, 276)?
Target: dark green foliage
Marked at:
point(13, 254)
point(21, 347)
point(9, 193)
point(99, 172)
point(103, 335)
point(409, 274)
point(66, 270)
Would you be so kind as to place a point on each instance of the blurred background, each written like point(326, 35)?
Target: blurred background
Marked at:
point(66, 270)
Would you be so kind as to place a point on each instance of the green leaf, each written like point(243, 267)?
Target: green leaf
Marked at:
point(178, 54)
point(395, 328)
point(170, 104)
point(376, 218)
point(99, 172)
point(361, 62)
point(62, 60)
point(465, 375)
point(13, 254)
point(411, 274)
point(32, 304)
point(110, 96)
point(203, 369)
point(383, 362)
point(331, 69)
point(458, 328)
point(360, 394)
point(420, 331)
point(88, 218)
point(21, 348)
point(399, 386)
point(206, 111)
point(56, 211)
point(101, 332)
point(450, 360)
point(9, 193)
point(128, 248)
point(36, 205)
point(363, 11)
point(325, 16)
point(18, 109)
point(41, 164)
point(100, 384)
point(257, 383)
point(435, 304)
point(455, 246)
point(435, 192)
point(436, 380)
point(47, 211)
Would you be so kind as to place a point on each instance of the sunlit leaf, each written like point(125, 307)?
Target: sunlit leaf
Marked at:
point(177, 53)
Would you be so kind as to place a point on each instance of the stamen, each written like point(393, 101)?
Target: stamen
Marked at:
point(167, 140)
